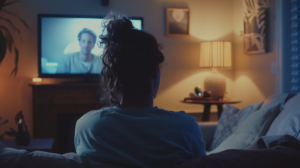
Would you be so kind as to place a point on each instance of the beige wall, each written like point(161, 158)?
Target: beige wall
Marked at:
point(253, 78)
point(210, 20)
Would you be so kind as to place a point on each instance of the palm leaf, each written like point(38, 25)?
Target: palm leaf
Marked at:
point(10, 133)
point(249, 10)
point(8, 37)
point(12, 25)
point(20, 19)
point(15, 70)
point(9, 3)
point(2, 47)
point(4, 122)
point(2, 136)
point(12, 130)
point(1, 3)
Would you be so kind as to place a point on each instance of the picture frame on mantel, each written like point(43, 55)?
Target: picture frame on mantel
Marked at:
point(178, 22)
point(256, 25)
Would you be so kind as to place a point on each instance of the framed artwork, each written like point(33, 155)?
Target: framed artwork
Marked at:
point(256, 25)
point(178, 21)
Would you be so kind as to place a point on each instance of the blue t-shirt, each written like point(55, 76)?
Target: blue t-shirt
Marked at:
point(150, 137)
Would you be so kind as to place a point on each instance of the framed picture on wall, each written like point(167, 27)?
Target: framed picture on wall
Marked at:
point(177, 21)
point(256, 23)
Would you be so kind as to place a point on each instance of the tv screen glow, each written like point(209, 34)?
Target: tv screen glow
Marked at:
point(59, 45)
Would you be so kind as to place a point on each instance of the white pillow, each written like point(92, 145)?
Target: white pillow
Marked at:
point(288, 121)
point(275, 99)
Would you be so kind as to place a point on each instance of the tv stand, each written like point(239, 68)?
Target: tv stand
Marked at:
point(86, 80)
point(52, 100)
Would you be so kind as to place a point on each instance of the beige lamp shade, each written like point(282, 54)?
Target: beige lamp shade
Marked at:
point(216, 54)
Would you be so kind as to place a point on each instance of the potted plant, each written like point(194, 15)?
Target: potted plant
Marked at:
point(6, 39)
point(12, 132)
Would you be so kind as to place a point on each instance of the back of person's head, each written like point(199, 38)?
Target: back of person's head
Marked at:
point(88, 31)
point(131, 59)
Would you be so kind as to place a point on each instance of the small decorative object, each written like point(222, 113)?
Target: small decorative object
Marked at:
point(207, 94)
point(178, 21)
point(199, 92)
point(12, 131)
point(256, 22)
point(22, 137)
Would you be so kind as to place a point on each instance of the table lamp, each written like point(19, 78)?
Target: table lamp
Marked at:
point(215, 54)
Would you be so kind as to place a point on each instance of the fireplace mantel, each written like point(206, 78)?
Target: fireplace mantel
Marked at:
point(51, 100)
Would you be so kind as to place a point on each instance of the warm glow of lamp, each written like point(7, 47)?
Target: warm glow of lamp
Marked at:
point(215, 54)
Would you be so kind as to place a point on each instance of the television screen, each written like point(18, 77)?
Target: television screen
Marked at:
point(68, 45)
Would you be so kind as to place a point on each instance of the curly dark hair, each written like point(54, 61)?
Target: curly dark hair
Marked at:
point(131, 59)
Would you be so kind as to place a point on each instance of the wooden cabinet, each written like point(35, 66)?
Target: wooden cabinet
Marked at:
point(51, 100)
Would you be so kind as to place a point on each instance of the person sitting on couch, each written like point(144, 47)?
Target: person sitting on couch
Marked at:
point(131, 132)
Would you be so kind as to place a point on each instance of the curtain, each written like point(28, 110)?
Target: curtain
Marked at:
point(295, 46)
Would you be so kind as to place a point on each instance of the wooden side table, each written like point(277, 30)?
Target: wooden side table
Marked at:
point(41, 144)
point(207, 104)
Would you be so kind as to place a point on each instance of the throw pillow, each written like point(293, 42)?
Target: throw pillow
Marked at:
point(288, 121)
point(274, 99)
point(254, 126)
point(229, 120)
point(226, 125)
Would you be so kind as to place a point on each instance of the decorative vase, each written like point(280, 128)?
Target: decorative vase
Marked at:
point(22, 137)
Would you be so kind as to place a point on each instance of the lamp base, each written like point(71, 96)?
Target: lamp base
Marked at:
point(216, 85)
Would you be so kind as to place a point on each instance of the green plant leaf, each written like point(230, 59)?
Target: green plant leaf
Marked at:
point(3, 45)
point(12, 25)
point(10, 133)
point(13, 130)
point(8, 37)
point(15, 70)
point(2, 136)
point(9, 3)
point(2, 3)
point(20, 19)
point(4, 122)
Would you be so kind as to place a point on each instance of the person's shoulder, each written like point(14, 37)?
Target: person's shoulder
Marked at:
point(95, 114)
point(180, 114)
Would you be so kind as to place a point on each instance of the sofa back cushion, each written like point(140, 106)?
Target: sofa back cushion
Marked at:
point(288, 121)
point(275, 99)
point(248, 131)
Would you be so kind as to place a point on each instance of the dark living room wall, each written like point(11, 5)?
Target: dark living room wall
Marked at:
point(210, 20)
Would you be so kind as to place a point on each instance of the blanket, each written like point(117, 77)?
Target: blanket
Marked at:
point(268, 152)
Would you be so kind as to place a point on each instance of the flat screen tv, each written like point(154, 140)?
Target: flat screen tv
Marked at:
point(63, 51)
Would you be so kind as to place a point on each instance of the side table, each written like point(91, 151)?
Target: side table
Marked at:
point(207, 104)
point(41, 144)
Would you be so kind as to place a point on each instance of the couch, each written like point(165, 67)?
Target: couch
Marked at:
point(279, 114)
point(273, 142)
